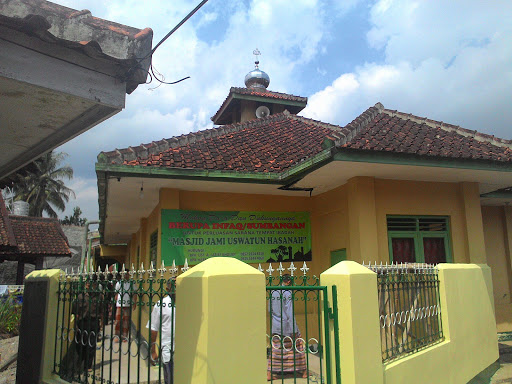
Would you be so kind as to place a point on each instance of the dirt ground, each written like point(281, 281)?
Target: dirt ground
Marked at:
point(8, 348)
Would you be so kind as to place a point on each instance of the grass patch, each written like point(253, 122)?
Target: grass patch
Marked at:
point(10, 315)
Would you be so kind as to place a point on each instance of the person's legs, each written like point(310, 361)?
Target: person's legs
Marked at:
point(125, 322)
point(117, 323)
point(169, 372)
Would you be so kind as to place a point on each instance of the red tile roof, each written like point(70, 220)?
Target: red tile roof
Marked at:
point(23, 236)
point(260, 93)
point(271, 144)
point(39, 236)
point(277, 142)
point(7, 239)
point(379, 129)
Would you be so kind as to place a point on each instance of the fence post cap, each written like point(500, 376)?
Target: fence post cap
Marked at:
point(348, 267)
point(219, 266)
point(43, 273)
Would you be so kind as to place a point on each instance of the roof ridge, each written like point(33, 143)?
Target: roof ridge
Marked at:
point(244, 89)
point(333, 127)
point(479, 136)
point(155, 147)
point(362, 121)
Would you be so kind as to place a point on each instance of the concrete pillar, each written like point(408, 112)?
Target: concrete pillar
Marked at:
point(37, 328)
point(358, 319)
point(220, 324)
point(473, 218)
point(508, 233)
point(143, 242)
point(362, 219)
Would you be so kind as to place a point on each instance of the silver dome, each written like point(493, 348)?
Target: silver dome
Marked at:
point(257, 79)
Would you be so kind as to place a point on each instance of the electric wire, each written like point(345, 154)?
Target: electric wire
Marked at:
point(151, 72)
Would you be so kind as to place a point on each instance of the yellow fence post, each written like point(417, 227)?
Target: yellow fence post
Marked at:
point(358, 319)
point(220, 324)
point(37, 328)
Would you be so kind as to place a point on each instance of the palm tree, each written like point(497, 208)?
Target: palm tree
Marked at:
point(44, 188)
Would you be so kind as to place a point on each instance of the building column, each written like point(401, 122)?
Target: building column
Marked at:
point(220, 324)
point(473, 218)
point(362, 219)
point(143, 243)
point(20, 272)
point(358, 319)
point(169, 199)
point(508, 233)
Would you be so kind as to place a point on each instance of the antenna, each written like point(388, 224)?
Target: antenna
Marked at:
point(262, 111)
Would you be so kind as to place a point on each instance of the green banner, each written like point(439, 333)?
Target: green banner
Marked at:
point(252, 237)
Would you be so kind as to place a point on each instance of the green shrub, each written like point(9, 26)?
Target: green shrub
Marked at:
point(10, 315)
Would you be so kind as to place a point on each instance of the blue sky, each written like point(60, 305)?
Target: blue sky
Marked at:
point(445, 60)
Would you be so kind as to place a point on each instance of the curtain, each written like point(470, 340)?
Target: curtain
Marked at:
point(434, 250)
point(403, 250)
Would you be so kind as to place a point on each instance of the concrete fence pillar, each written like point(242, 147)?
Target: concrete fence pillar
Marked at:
point(358, 319)
point(220, 324)
point(37, 328)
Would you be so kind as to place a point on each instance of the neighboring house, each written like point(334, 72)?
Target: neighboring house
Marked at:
point(28, 240)
point(62, 71)
point(268, 185)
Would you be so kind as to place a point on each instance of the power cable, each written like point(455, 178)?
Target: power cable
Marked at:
point(151, 72)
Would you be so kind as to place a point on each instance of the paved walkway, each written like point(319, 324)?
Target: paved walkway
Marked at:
point(504, 374)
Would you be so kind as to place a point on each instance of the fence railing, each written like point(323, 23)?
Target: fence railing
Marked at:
point(409, 308)
point(116, 327)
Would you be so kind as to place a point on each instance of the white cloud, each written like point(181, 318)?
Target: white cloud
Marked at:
point(449, 61)
point(461, 80)
point(86, 193)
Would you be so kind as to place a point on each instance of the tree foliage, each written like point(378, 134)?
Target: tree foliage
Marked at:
point(44, 188)
point(75, 218)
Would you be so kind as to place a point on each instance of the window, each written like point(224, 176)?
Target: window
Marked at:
point(153, 247)
point(419, 239)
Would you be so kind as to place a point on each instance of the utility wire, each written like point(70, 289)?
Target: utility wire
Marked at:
point(191, 13)
point(151, 72)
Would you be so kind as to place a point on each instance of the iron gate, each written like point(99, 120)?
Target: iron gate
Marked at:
point(302, 329)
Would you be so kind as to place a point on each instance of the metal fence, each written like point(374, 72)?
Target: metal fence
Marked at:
point(409, 308)
point(115, 327)
point(298, 342)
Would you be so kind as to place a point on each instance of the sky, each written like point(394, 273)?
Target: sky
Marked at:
point(446, 60)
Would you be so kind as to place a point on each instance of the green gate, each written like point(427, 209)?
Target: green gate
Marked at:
point(301, 330)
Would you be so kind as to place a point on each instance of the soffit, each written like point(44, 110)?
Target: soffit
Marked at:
point(121, 223)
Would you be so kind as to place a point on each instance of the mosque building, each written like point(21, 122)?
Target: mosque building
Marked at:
point(267, 185)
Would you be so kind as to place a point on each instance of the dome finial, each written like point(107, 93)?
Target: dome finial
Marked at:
point(257, 78)
point(256, 53)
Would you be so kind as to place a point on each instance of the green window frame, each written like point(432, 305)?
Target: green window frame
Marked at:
point(153, 248)
point(419, 228)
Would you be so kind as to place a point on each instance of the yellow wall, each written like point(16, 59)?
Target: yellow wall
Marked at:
point(467, 312)
point(470, 345)
point(421, 198)
point(352, 216)
point(498, 258)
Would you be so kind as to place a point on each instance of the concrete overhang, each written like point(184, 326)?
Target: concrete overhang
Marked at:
point(62, 72)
